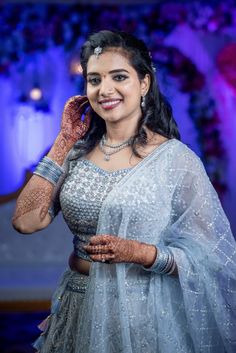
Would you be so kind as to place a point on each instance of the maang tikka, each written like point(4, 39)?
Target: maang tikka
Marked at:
point(97, 51)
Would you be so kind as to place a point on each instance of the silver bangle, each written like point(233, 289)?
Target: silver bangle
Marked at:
point(164, 262)
point(172, 269)
point(49, 170)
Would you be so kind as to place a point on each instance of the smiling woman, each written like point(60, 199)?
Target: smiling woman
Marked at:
point(115, 90)
point(153, 267)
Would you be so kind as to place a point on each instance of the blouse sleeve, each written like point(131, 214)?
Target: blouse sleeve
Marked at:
point(204, 249)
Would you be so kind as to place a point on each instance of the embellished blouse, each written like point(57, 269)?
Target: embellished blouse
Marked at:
point(80, 199)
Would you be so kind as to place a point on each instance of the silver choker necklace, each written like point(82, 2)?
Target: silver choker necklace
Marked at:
point(114, 147)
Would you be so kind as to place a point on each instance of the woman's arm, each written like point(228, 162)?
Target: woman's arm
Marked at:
point(114, 249)
point(31, 213)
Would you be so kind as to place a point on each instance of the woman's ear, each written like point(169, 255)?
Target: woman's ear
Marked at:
point(145, 84)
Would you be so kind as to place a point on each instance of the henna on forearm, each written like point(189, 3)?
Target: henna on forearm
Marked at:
point(38, 192)
point(60, 149)
point(37, 195)
point(145, 254)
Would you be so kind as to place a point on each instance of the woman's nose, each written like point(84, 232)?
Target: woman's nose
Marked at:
point(106, 87)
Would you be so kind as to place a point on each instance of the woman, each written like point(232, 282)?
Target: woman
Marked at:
point(153, 268)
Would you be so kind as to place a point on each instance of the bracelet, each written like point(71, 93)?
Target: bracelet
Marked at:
point(164, 262)
point(49, 170)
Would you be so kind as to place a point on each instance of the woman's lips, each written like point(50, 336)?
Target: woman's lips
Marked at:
point(110, 104)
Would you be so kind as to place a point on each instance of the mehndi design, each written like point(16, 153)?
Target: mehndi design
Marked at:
point(38, 192)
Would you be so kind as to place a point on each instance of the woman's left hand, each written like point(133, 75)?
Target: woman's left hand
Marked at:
point(114, 249)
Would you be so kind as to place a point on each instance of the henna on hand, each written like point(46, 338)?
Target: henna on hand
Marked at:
point(72, 126)
point(115, 249)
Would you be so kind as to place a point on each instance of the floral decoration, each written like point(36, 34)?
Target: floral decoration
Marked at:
point(31, 28)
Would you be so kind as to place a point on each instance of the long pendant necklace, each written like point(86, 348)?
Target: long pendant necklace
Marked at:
point(115, 148)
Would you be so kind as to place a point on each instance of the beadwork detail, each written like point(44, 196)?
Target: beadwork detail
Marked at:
point(85, 199)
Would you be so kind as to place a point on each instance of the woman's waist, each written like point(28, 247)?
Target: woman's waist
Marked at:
point(79, 264)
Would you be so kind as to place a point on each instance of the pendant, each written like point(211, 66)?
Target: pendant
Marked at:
point(106, 158)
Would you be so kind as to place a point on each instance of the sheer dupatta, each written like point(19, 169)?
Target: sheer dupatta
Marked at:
point(166, 199)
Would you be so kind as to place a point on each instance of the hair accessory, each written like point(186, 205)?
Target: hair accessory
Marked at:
point(49, 170)
point(153, 67)
point(143, 103)
point(97, 51)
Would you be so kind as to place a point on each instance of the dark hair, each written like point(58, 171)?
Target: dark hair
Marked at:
point(157, 113)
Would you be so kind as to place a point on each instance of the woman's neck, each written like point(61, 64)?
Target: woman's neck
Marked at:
point(118, 134)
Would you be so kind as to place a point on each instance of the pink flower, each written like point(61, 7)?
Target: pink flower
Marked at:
point(226, 62)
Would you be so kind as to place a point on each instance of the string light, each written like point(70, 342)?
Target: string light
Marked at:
point(36, 94)
point(75, 67)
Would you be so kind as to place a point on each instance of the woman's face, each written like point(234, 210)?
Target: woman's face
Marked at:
point(113, 87)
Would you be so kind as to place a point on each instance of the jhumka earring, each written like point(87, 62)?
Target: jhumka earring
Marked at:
point(143, 103)
point(97, 51)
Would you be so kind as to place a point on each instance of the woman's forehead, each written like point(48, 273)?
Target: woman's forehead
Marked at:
point(107, 61)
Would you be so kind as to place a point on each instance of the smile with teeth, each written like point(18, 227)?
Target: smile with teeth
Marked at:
point(110, 104)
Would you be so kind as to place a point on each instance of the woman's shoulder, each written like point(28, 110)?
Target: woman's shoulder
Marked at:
point(181, 148)
point(182, 157)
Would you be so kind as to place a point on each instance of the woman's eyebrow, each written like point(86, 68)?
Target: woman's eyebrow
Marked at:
point(110, 72)
point(117, 70)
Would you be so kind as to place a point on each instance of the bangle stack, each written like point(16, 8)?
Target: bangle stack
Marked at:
point(49, 170)
point(164, 262)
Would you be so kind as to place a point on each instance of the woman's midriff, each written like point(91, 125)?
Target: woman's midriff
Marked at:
point(79, 265)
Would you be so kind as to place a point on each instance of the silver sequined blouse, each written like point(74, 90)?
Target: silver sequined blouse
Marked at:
point(81, 196)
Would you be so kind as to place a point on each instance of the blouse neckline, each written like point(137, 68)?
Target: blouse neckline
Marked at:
point(104, 171)
point(118, 171)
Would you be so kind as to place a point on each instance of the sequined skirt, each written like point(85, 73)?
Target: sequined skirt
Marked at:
point(61, 326)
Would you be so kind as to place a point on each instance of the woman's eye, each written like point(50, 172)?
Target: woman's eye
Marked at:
point(120, 77)
point(94, 81)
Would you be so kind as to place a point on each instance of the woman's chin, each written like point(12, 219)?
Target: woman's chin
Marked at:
point(111, 118)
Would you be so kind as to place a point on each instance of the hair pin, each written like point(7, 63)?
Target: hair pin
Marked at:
point(97, 51)
point(153, 68)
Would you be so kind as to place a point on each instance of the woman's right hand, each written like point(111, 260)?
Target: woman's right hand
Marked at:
point(73, 127)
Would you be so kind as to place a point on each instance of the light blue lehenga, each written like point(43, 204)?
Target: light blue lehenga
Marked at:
point(166, 199)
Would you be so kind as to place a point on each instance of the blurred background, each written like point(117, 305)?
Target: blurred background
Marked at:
point(193, 47)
